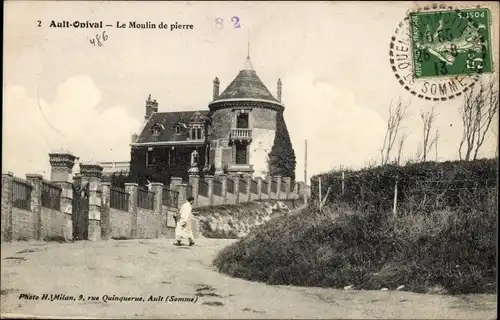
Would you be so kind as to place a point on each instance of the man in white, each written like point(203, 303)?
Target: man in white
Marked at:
point(183, 228)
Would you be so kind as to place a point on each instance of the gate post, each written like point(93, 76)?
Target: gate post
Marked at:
point(248, 180)
point(6, 224)
point(61, 167)
point(236, 184)
point(131, 189)
point(269, 187)
point(36, 202)
point(194, 181)
point(223, 180)
point(288, 182)
point(177, 185)
point(210, 182)
point(93, 172)
point(278, 187)
point(157, 188)
point(105, 219)
point(259, 187)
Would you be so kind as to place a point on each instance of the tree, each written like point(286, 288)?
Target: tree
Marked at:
point(401, 142)
point(397, 114)
point(281, 160)
point(478, 110)
point(118, 179)
point(428, 119)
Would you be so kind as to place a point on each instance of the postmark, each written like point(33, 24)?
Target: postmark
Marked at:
point(422, 80)
point(451, 42)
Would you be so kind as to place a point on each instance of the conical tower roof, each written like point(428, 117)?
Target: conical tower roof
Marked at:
point(247, 85)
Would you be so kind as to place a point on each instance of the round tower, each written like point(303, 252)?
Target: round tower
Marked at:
point(245, 119)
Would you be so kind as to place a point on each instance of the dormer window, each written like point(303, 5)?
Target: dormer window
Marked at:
point(196, 133)
point(157, 128)
point(179, 128)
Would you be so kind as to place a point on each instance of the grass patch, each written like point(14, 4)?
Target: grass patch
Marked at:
point(454, 251)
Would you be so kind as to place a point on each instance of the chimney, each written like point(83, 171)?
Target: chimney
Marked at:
point(155, 106)
point(216, 88)
point(134, 137)
point(149, 108)
point(279, 90)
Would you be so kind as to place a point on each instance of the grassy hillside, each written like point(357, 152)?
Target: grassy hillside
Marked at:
point(447, 251)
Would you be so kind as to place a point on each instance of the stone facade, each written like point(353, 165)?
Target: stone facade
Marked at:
point(234, 135)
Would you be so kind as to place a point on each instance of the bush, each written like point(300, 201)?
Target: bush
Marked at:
point(427, 186)
point(340, 247)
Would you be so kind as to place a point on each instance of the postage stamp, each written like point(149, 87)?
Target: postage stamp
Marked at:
point(451, 42)
point(438, 52)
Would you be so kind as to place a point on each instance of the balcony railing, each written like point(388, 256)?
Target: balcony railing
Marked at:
point(238, 133)
point(234, 167)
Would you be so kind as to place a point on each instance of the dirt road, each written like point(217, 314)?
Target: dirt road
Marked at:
point(145, 268)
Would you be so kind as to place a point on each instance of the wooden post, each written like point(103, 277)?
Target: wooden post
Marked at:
point(342, 182)
point(319, 191)
point(395, 204)
point(305, 174)
point(322, 204)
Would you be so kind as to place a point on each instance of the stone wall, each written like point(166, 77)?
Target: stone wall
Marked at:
point(120, 223)
point(52, 224)
point(27, 217)
point(146, 224)
point(24, 217)
point(23, 224)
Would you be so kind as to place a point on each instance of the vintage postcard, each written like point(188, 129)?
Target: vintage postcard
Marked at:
point(235, 160)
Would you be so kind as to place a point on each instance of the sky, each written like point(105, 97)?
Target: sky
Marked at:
point(63, 93)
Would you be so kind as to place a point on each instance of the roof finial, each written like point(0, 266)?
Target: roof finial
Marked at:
point(248, 63)
point(248, 44)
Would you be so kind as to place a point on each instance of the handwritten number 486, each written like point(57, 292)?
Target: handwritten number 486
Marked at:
point(219, 22)
point(99, 39)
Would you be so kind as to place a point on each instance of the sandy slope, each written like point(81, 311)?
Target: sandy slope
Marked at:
point(155, 267)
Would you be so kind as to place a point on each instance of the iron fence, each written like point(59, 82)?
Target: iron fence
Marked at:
point(243, 186)
point(217, 188)
point(118, 199)
point(283, 186)
point(254, 187)
point(264, 186)
point(21, 194)
point(51, 196)
point(203, 188)
point(170, 198)
point(145, 199)
point(274, 187)
point(230, 186)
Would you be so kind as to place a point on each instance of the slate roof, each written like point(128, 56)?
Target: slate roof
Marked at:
point(247, 85)
point(169, 121)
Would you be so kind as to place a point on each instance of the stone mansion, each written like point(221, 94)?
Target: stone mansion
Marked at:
point(234, 135)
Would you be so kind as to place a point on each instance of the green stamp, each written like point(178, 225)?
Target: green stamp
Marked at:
point(451, 43)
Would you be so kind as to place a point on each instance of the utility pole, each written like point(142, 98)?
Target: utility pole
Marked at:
point(305, 174)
